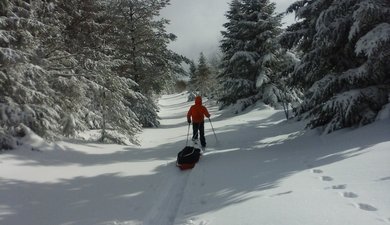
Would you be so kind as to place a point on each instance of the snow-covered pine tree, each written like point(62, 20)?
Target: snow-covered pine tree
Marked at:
point(288, 95)
point(345, 64)
point(251, 54)
point(90, 43)
point(119, 123)
point(142, 47)
point(61, 63)
point(214, 64)
point(234, 85)
point(191, 86)
point(54, 56)
point(75, 50)
point(25, 94)
point(202, 77)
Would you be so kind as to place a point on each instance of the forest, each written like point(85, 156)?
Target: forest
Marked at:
point(68, 66)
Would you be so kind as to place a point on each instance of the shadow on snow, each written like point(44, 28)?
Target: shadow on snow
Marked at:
point(113, 197)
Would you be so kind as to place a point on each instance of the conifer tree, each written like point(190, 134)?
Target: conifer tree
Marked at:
point(83, 64)
point(192, 87)
point(251, 54)
point(25, 94)
point(204, 74)
point(202, 78)
point(344, 68)
point(142, 48)
point(59, 56)
point(234, 85)
point(214, 63)
point(91, 44)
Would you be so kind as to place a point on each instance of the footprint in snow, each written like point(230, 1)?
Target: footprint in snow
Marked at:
point(349, 195)
point(384, 179)
point(316, 171)
point(189, 222)
point(192, 222)
point(326, 178)
point(340, 186)
point(366, 207)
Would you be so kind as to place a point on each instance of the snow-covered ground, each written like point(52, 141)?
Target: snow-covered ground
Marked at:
point(264, 170)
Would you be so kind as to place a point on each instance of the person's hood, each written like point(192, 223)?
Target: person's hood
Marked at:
point(198, 100)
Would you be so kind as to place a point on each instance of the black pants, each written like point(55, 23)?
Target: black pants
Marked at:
point(199, 127)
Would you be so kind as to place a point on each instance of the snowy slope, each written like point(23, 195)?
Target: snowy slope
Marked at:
point(264, 170)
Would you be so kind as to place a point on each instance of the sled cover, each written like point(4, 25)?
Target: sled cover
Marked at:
point(188, 157)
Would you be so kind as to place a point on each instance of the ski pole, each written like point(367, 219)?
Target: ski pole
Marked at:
point(216, 139)
point(188, 133)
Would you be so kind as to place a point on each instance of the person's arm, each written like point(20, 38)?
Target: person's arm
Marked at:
point(189, 115)
point(206, 112)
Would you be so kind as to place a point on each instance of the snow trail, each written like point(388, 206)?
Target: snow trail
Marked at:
point(167, 205)
point(265, 171)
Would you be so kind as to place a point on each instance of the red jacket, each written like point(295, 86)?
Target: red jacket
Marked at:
point(197, 111)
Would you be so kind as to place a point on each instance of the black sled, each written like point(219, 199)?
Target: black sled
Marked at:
point(188, 157)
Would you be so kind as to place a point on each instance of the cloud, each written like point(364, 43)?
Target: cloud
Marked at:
point(198, 24)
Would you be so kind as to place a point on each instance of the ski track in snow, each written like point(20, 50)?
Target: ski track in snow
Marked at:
point(167, 206)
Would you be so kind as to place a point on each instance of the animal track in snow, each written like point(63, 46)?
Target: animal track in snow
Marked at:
point(192, 222)
point(384, 179)
point(326, 178)
point(349, 195)
point(340, 186)
point(317, 171)
point(366, 207)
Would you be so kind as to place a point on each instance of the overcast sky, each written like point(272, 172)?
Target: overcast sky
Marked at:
point(198, 24)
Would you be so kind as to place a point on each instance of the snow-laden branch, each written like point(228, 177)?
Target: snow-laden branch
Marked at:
point(372, 41)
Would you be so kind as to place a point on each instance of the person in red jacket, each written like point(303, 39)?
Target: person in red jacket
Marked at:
point(197, 112)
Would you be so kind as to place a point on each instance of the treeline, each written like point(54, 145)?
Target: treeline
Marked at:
point(71, 65)
point(332, 66)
